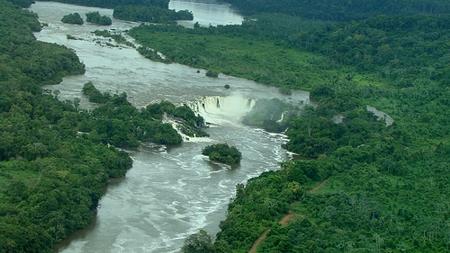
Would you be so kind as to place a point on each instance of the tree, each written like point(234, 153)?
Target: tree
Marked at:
point(74, 18)
point(212, 73)
point(223, 153)
point(96, 18)
point(151, 14)
point(198, 243)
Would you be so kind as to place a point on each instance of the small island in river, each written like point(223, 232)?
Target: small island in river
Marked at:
point(223, 153)
point(96, 18)
point(73, 18)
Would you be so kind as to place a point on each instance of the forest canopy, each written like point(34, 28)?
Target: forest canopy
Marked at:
point(354, 183)
point(150, 14)
point(51, 177)
point(338, 10)
point(337, 192)
point(55, 160)
point(96, 18)
point(113, 3)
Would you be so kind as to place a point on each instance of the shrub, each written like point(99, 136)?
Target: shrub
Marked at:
point(74, 18)
point(96, 18)
point(212, 73)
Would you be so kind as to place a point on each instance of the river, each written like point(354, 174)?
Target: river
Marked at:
point(168, 194)
point(207, 12)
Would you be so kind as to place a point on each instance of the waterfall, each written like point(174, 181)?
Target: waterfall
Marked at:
point(216, 109)
point(282, 117)
point(177, 126)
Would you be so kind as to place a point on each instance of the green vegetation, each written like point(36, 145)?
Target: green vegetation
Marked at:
point(200, 242)
point(111, 3)
point(188, 123)
point(94, 95)
point(339, 189)
point(223, 153)
point(123, 125)
point(24, 58)
point(388, 42)
point(368, 53)
point(154, 11)
point(151, 54)
point(51, 177)
point(215, 50)
point(339, 10)
point(346, 192)
point(118, 38)
point(74, 18)
point(181, 113)
point(22, 3)
point(270, 114)
point(212, 73)
point(150, 14)
point(96, 18)
point(356, 185)
point(186, 120)
point(54, 161)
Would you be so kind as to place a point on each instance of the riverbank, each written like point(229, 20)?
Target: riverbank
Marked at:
point(386, 189)
point(51, 176)
point(351, 156)
point(195, 192)
point(261, 60)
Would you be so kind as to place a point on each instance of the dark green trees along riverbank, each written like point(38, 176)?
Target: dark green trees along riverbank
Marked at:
point(54, 159)
point(109, 3)
point(150, 14)
point(51, 176)
point(356, 184)
point(123, 125)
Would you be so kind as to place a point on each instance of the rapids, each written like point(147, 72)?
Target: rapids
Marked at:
point(169, 193)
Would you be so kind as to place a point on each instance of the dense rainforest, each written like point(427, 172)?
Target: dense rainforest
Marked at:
point(357, 182)
point(55, 158)
point(51, 178)
point(342, 10)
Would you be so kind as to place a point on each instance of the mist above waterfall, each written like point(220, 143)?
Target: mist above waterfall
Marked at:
point(217, 109)
point(270, 114)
